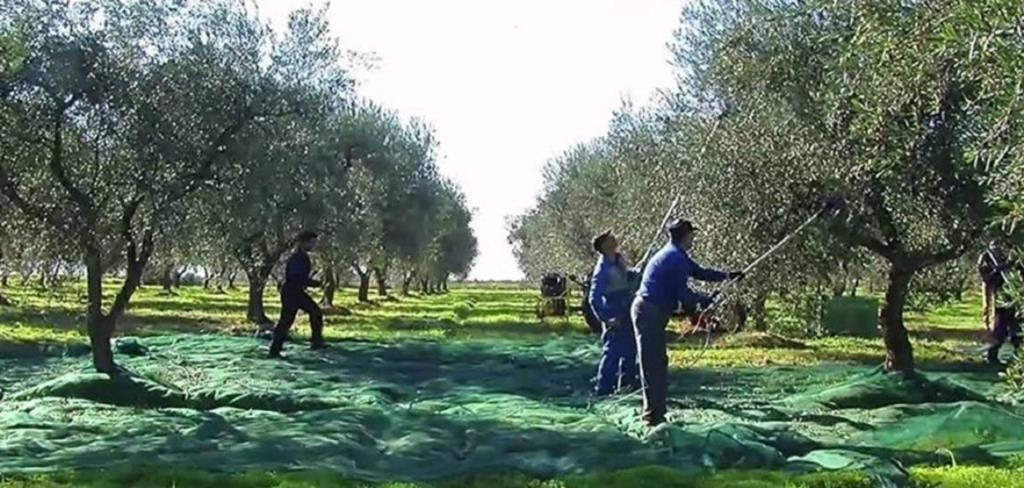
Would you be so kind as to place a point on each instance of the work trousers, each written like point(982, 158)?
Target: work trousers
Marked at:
point(293, 300)
point(618, 368)
point(649, 323)
point(1007, 326)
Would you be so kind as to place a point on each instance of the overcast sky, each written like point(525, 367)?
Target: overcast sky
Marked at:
point(506, 84)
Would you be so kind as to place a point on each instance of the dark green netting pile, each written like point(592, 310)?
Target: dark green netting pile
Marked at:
point(424, 410)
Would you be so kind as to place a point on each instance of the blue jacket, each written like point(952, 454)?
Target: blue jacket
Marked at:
point(666, 280)
point(611, 289)
point(297, 271)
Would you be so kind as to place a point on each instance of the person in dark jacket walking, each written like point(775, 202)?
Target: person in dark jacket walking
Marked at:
point(996, 276)
point(611, 292)
point(297, 277)
point(665, 285)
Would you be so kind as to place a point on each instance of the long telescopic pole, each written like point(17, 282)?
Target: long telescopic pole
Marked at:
point(718, 296)
point(653, 243)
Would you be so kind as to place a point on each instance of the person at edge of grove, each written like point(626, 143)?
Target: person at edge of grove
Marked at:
point(664, 286)
point(995, 271)
point(611, 292)
point(298, 276)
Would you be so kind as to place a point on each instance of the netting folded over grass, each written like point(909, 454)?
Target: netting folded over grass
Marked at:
point(425, 410)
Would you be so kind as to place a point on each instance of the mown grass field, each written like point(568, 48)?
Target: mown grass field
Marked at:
point(492, 312)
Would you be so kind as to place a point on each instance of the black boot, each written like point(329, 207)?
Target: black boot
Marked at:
point(992, 355)
point(276, 345)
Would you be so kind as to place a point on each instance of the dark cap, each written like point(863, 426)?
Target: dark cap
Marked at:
point(680, 227)
point(306, 235)
point(599, 240)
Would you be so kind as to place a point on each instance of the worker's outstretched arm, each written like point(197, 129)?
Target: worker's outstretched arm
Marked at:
point(705, 274)
point(684, 268)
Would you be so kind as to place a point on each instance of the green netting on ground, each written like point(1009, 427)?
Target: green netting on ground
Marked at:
point(424, 410)
point(875, 389)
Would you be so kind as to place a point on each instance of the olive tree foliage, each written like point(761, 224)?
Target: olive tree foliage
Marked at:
point(872, 107)
point(377, 221)
point(812, 111)
point(578, 200)
point(451, 247)
point(781, 103)
point(119, 112)
point(354, 228)
point(280, 181)
point(406, 202)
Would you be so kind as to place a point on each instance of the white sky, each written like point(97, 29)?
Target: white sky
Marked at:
point(507, 84)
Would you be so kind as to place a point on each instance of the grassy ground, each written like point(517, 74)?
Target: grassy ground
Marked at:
point(482, 312)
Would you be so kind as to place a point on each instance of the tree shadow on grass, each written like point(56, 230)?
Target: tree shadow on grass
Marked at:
point(473, 328)
point(49, 321)
point(936, 333)
point(190, 306)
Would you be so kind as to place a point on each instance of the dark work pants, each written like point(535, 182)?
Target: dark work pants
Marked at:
point(618, 366)
point(1007, 326)
point(650, 322)
point(291, 302)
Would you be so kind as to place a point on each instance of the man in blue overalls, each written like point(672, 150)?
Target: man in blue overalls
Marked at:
point(664, 286)
point(611, 291)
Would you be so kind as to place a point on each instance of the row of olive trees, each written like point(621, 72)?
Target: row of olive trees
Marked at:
point(910, 112)
point(191, 132)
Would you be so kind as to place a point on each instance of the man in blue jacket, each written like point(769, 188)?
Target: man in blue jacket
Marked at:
point(664, 286)
point(611, 291)
point(298, 276)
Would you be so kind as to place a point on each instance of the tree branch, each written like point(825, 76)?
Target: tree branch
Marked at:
point(190, 182)
point(56, 165)
point(136, 258)
point(10, 190)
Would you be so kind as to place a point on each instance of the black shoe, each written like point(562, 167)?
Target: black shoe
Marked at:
point(275, 355)
point(319, 345)
point(654, 421)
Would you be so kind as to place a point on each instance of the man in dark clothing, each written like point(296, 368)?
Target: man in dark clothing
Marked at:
point(664, 286)
point(996, 275)
point(297, 277)
point(611, 291)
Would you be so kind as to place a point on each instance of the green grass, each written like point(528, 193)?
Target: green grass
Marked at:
point(476, 311)
point(652, 476)
point(947, 477)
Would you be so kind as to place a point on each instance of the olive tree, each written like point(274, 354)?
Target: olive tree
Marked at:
point(119, 112)
point(278, 183)
point(854, 99)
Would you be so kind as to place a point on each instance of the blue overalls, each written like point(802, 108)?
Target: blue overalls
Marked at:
point(665, 284)
point(611, 291)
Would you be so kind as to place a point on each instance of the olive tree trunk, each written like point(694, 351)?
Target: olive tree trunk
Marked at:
point(255, 311)
point(899, 355)
point(364, 283)
point(330, 287)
